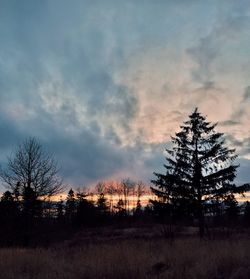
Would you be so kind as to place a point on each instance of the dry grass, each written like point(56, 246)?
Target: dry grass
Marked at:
point(130, 258)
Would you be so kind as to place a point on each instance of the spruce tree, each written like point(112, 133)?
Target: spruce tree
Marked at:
point(246, 213)
point(101, 203)
point(86, 211)
point(60, 209)
point(232, 210)
point(199, 170)
point(9, 210)
point(70, 209)
point(32, 206)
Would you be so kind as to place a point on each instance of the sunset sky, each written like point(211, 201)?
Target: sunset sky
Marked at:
point(103, 84)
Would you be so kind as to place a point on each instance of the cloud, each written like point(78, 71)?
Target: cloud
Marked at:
point(229, 123)
point(233, 141)
point(103, 85)
point(246, 96)
point(243, 171)
point(204, 54)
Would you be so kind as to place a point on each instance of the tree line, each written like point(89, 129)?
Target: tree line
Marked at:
point(197, 188)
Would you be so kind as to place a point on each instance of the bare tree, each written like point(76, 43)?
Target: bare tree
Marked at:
point(100, 188)
point(111, 190)
point(140, 190)
point(127, 186)
point(33, 168)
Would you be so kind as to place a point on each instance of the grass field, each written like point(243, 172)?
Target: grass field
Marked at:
point(120, 256)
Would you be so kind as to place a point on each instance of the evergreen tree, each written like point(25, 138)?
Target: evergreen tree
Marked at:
point(32, 207)
point(102, 204)
point(199, 169)
point(60, 209)
point(70, 209)
point(138, 210)
point(86, 211)
point(247, 213)
point(138, 206)
point(120, 208)
point(216, 210)
point(7, 197)
point(8, 208)
point(231, 210)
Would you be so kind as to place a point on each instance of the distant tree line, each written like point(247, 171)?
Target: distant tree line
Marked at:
point(29, 205)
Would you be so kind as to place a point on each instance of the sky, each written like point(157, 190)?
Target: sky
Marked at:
point(103, 84)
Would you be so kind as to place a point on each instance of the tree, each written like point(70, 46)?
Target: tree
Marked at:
point(199, 169)
point(231, 210)
point(127, 186)
point(101, 203)
point(9, 210)
point(100, 188)
point(7, 197)
point(60, 209)
point(86, 211)
point(71, 205)
point(138, 209)
point(31, 205)
point(121, 211)
point(139, 190)
point(247, 213)
point(111, 190)
point(33, 168)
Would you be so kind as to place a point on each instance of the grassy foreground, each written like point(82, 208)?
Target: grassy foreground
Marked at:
point(118, 258)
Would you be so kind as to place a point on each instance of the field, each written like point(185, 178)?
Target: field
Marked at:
point(130, 253)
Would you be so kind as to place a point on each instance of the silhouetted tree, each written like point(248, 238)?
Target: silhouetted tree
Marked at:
point(199, 169)
point(231, 210)
point(32, 168)
point(217, 212)
point(102, 204)
point(127, 186)
point(7, 197)
point(8, 208)
point(60, 209)
point(71, 205)
point(138, 209)
point(140, 189)
point(161, 210)
point(247, 213)
point(100, 188)
point(111, 190)
point(120, 209)
point(86, 211)
point(31, 205)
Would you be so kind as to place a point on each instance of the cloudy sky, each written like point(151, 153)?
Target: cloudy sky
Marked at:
point(103, 84)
